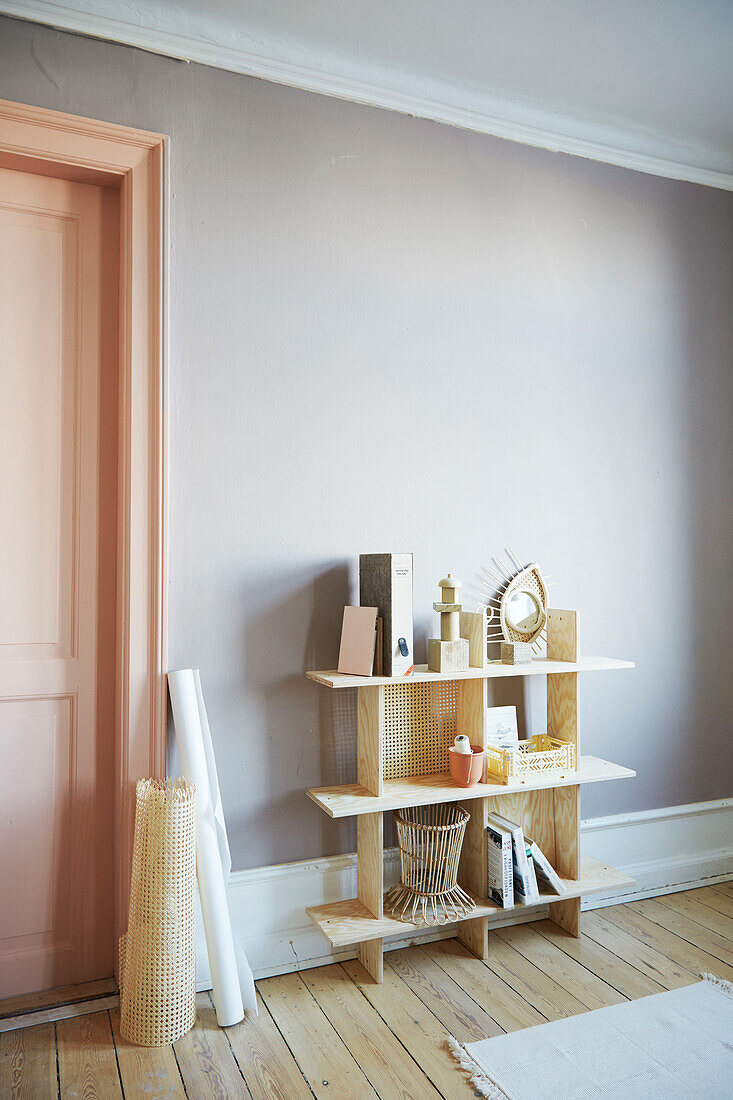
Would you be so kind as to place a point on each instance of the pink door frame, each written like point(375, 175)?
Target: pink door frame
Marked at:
point(46, 142)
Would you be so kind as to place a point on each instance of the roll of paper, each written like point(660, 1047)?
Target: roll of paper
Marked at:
point(209, 872)
point(246, 979)
point(462, 744)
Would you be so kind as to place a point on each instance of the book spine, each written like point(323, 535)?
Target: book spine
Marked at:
point(528, 885)
point(499, 869)
point(547, 870)
point(508, 866)
point(532, 876)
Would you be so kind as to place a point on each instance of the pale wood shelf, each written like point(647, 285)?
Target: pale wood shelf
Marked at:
point(347, 922)
point(352, 798)
point(396, 736)
point(539, 666)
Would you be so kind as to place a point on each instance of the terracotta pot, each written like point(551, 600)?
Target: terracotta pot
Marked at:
point(465, 770)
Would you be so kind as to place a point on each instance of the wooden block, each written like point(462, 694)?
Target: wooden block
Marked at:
point(371, 957)
point(370, 862)
point(370, 734)
point(516, 653)
point(472, 627)
point(448, 656)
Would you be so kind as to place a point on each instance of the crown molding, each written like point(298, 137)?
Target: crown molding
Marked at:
point(208, 41)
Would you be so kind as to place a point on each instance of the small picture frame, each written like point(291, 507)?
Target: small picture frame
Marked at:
point(501, 727)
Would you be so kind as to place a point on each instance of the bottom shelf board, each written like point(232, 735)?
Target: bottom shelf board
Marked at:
point(346, 922)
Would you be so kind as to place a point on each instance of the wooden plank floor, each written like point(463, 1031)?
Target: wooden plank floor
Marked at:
point(330, 1032)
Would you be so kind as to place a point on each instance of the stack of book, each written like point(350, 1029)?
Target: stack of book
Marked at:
point(518, 870)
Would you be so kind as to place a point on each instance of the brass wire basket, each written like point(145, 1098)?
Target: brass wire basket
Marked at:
point(430, 840)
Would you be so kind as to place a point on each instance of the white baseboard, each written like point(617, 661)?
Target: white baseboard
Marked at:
point(676, 848)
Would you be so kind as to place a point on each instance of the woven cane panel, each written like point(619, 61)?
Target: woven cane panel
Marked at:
point(158, 951)
point(419, 725)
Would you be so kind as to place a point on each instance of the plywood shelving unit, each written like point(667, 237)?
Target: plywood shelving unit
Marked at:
point(404, 726)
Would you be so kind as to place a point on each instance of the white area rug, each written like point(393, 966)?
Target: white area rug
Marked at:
point(669, 1045)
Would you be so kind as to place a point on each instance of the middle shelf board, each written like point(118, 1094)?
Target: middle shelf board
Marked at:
point(538, 666)
point(352, 798)
point(347, 922)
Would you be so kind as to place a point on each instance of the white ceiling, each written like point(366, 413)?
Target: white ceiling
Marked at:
point(647, 83)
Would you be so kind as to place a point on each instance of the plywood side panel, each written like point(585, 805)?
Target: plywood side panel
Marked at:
point(370, 720)
point(471, 710)
point(371, 956)
point(474, 935)
point(534, 811)
point(567, 831)
point(562, 635)
point(562, 709)
point(370, 862)
point(562, 722)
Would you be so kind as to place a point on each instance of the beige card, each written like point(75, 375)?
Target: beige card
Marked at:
point(356, 655)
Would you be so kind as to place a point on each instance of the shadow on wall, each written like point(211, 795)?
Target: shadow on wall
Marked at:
point(705, 595)
point(268, 644)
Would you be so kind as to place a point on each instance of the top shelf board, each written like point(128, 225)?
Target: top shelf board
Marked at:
point(540, 666)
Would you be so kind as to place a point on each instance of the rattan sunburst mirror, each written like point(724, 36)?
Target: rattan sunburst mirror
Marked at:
point(517, 601)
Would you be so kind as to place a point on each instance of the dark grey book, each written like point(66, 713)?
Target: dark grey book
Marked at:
point(385, 582)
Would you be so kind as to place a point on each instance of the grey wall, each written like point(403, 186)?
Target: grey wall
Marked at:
point(389, 334)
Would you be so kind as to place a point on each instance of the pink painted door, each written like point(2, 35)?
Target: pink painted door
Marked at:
point(56, 760)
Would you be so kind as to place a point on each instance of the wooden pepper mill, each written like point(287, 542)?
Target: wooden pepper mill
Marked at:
point(449, 652)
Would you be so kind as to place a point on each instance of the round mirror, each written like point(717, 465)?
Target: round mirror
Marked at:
point(523, 611)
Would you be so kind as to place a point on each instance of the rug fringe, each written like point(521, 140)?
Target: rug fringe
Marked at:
point(719, 983)
point(484, 1085)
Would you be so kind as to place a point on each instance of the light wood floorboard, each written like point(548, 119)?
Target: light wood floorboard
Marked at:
point(266, 1062)
point(206, 1060)
point(86, 1058)
point(28, 1063)
point(144, 1071)
point(332, 1033)
point(714, 899)
point(414, 1025)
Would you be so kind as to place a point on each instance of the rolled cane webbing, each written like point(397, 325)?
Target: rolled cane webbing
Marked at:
point(158, 951)
point(430, 840)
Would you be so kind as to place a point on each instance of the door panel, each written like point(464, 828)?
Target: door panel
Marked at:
point(37, 429)
point(55, 759)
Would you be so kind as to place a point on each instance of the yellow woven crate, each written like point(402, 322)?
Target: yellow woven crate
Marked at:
point(540, 755)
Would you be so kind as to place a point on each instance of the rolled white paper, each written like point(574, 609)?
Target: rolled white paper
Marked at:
point(462, 744)
point(221, 828)
point(246, 978)
point(209, 872)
